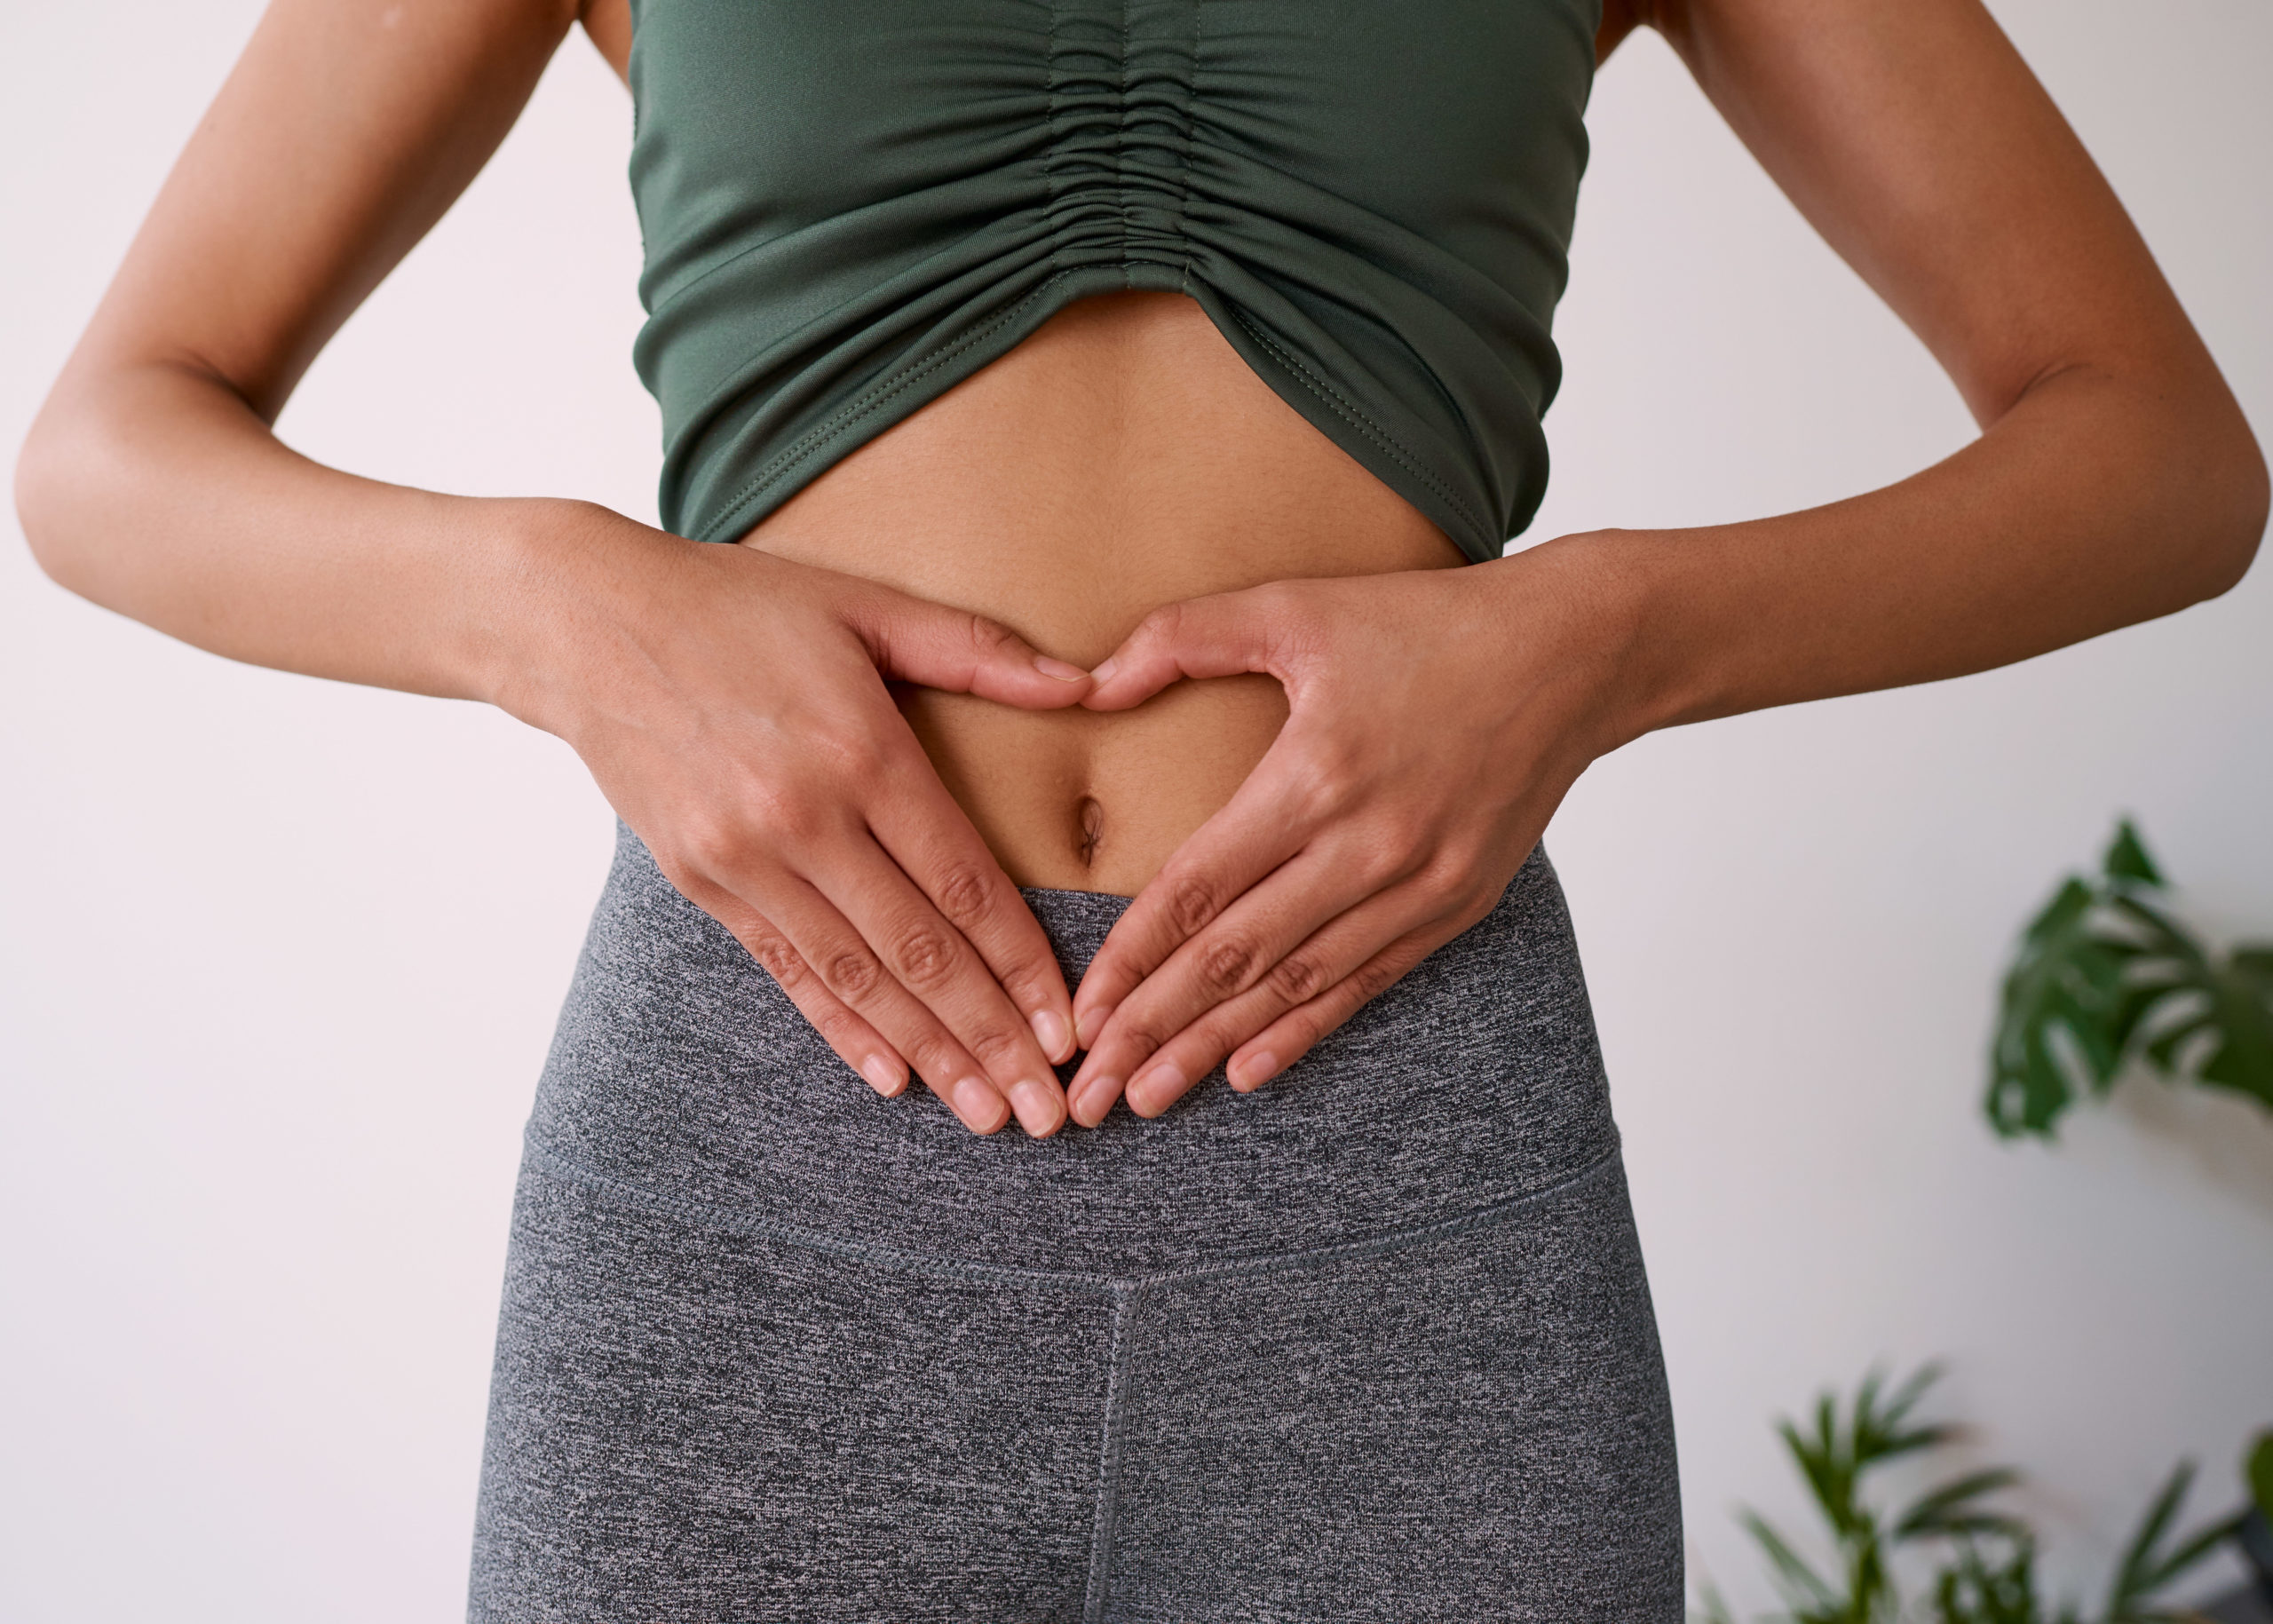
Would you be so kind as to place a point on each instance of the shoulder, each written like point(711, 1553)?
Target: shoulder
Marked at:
point(607, 23)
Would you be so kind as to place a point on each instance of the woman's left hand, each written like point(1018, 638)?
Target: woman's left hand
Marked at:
point(1435, 719)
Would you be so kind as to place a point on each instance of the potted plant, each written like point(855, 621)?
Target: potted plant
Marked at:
point(2106, 978)
point(1975, 1561)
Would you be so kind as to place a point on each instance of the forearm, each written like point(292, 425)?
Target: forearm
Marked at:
point(2094, 502)
point(155, 491)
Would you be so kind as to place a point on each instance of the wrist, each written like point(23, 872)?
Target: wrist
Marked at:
point(1582, 607)
point(1640, 623)
point(557, 567)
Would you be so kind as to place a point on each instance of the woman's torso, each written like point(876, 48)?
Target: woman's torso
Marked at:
point(1121, 458)
point(1124, 455)
point(1060, 312)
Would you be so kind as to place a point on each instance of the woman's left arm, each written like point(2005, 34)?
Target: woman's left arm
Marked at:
point(1435, 720)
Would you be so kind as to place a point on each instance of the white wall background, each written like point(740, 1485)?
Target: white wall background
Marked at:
point(279, 959)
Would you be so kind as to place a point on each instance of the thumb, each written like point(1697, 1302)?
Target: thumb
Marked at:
point(1222, 635)
point(915, 640)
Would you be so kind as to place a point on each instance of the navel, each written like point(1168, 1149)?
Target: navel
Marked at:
point(1089, 829)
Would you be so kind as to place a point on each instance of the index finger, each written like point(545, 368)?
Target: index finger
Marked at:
point(1268, 820)
point(923, 830)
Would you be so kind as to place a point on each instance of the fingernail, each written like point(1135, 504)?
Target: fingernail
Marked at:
point(1096, 1101)
point(981, 1108)
point(1104, 673)
point(1254, 1071)
point(1040, 1112)
point(1158, 1087)
point(1088, 1024)
point(1058, 668)
point(1049, 1032)
point(882, 1076)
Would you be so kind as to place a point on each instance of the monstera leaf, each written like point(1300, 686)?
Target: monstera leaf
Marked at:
point(2104, 978)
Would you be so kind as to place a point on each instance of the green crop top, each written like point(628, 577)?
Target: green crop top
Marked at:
point(847, 206)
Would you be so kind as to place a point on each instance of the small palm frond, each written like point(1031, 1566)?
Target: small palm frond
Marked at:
point(1955, 1510)
point(2146, 1568)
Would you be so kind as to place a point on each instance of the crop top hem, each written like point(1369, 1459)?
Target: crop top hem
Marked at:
point(910, 387)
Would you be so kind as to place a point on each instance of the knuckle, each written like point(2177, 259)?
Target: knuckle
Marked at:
point(1407, 830)
point(1160, 626)
point(1374, 979)
point(988, 637)
point(1143, 1038)
point(1225, 965)
point(996, 1048)
point(1450, 871)
point(776, 958)
point(966, 894)
point(1477, 902)
point(852, 973)
point(1391, 855)
point(1190, 903)
point(709, 845)
point(786, 816)
point(1297, 1035)
point(925, 957)
point(935, 1055)
point(856, 755)
point(1280, 603)
point(1297, 979)
point(836, 1026)
point(1322, 784)
point(1026, 986)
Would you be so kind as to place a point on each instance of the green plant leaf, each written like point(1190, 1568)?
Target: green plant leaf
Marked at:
point(1950, 1509)
point(2146, 1568)
point(1971, 1589)
point(1801, 1584)
point(2133, 1573)
point(2175, 1566)
point(2257, 1466)
point(1835, 1449)
point(2233, 1001)
point(1878, 1428)
point(2126, 857)
point(2068, 979)
point(2256, 961)
point(2241, 1005)
point(2102, 977)
point(1818, 1458)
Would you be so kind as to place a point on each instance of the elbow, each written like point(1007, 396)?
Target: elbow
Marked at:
point(2235, 493)
point(45, 510)
point(73, 477)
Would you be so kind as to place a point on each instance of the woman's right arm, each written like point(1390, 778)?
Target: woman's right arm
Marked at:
point(732, 705)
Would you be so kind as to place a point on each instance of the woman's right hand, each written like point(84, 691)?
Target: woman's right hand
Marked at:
point(732, 706)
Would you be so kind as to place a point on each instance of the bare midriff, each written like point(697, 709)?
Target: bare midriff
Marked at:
point(1121, 458)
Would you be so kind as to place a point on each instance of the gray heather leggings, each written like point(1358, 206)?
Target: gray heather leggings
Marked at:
point(1371, 1343)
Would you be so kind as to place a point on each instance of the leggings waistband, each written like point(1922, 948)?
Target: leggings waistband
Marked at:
point(681, 1075)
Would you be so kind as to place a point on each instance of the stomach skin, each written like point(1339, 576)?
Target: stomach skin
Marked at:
point(1120, 458)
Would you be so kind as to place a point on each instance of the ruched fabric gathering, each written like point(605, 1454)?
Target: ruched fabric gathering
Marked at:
point(848, 207)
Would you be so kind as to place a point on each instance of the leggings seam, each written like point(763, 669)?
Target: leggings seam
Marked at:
point(1119, 1380)
point(703, 1214)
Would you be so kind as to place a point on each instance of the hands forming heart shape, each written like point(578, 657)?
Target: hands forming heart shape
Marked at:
point(733, 706)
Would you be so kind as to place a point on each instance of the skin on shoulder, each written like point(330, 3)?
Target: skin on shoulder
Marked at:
point(608, 25)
